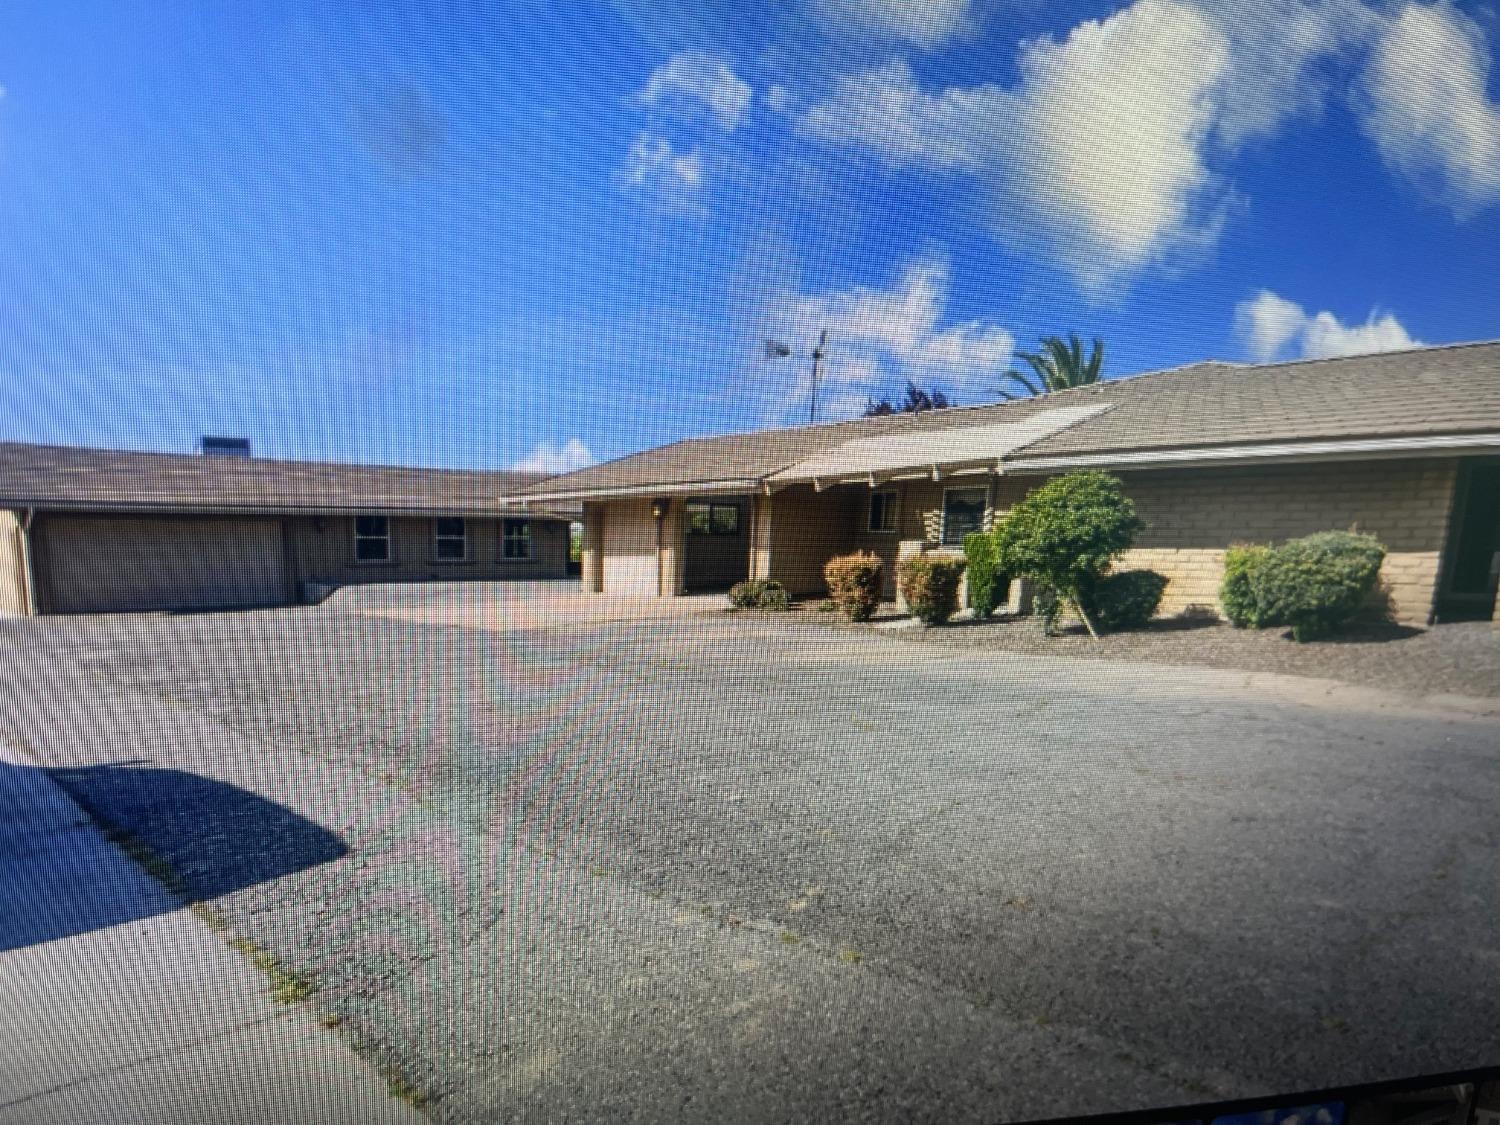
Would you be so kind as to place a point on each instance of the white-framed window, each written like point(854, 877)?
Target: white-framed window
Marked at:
point(882, 510)
point(515, 540)
point(963, 513)
point(372, 539)
point(450, 539)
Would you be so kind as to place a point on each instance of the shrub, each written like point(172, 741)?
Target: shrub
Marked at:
point(854, 584)
point(1317, 583)
point(987, 586)
point(759, 593)
point(1127, 599)
point(1065, 534)
point(930, 587)
point(1235, 594)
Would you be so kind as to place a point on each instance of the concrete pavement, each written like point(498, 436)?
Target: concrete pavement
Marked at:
point(120, 1005)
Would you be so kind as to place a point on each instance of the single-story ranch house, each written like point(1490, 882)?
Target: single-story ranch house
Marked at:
point(86, 530)
point(1404, 445)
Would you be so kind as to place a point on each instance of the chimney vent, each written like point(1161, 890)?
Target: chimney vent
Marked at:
point(209, 446)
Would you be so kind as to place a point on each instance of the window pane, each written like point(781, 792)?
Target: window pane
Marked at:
point(450, 549)
point(726, 519)
point(450, 526)
point(372, 550)
point(698, 522)
point(370, 525)
point(963, 514)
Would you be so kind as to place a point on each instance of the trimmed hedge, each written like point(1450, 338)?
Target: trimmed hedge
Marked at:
point(930, 587)
point(759, 593)
point(987, 586)
point(1317, 583)
point(1127, 599)
point(1240, 564)
point(854, 584)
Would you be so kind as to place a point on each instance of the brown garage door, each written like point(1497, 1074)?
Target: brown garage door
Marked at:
point(102, 564)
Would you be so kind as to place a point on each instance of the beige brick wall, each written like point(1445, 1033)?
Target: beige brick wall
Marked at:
point(323, 550)
point(12, 566)
point(806, 528)
point(1192, 516)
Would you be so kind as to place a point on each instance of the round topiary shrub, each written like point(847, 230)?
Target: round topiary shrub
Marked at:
point(759, 593)
point(930, 587)
point(773, 596)
point(854, 584)
point(1127, 599)
point(987, 586)
point(1317, 583)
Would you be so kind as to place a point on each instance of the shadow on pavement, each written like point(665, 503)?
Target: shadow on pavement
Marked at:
point(210, 837)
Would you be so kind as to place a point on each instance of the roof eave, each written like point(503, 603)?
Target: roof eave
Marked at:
point(1272, 452)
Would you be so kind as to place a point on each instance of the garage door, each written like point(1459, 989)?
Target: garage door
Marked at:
point(103, 564)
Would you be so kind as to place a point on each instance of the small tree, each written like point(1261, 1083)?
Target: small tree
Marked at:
point(986, 584)
point(1065, 534)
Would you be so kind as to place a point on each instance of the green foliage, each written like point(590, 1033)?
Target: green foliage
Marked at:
point(1065, 534)
point(930, 587)
point(1127, 599)
point(854, 584)
point(987, 586)
point(1317, 583)
point(1056, 367)
point(759, 593)
point(1240, 564)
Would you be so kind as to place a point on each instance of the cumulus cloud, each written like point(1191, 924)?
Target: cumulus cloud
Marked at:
point(569, 457)
point(1273, 327)
point(698, 78)
point(877, 335)
point(928, 24)
point(1424, 104)
point(674, 179)
point(1097, 154)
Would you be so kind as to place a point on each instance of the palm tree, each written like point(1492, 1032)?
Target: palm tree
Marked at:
point(1056, 367)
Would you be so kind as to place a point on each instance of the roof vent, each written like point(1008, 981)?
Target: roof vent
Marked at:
point(224, 446)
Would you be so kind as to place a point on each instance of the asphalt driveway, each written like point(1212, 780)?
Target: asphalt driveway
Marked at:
point(754, 868)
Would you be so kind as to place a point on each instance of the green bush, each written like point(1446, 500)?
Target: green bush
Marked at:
point(1065, 534)
point(854, 584)
point(759, 593)
point(1317, 583)
point(1235, 595)
point(987, 586)
point(1127, 599)
point(930, 587)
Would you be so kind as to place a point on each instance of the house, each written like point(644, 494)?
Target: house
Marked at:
point(1404, 445)
point(89, 530)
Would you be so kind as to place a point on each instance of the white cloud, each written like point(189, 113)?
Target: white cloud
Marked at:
point(1096, 156)
point(569, 457)
point(698, 77)
point(877, 335)
point(675, 179)
point(922, 23)
point(1424, 104)
point(779, 98)
point(1270, 324)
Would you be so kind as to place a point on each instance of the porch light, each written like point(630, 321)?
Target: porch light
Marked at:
point(658, 509)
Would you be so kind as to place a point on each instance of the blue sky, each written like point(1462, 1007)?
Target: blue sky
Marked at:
point(487, 235)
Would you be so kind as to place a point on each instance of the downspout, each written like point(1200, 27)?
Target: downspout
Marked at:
point(28, 571)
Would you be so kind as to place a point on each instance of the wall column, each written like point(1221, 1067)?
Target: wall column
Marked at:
point(670, 569)
point(760, 535)
point(592, 546)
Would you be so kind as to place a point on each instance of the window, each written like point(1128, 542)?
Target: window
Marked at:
point(883, 510)
point(372, 539)
point(450, 539)
point(963, 514)
point(515, 540)
point(713, 519)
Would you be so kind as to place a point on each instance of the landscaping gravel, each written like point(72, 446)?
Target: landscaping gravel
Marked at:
point(749, 867)
point(1457, 659)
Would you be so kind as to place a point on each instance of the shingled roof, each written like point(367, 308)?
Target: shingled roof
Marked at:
point(1201, 411)
point(55, 476)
